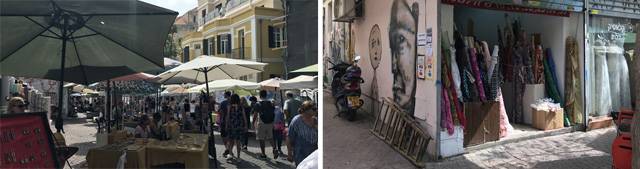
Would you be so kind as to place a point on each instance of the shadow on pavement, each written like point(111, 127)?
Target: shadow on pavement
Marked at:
point(571, 163)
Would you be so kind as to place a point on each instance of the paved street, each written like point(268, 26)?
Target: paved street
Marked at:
point(351, 145)
point(81, 133)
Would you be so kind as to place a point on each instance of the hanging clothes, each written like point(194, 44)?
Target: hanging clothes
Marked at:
point(572, 84)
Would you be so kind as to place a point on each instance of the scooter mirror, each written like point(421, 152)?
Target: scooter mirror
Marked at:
point(357, 58)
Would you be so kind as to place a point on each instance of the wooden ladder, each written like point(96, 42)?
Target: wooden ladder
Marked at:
point(400, 131)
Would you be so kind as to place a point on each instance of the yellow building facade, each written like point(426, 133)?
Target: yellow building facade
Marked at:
point(240, 29)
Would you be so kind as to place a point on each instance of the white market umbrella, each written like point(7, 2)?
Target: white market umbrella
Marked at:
point(226, 84)
point(300, 82)
point(206, 68)
point(171, 62)
point(271, 84)
point(86, 40)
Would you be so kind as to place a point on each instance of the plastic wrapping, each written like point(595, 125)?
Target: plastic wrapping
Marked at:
point(602, 89)
point(618, 81)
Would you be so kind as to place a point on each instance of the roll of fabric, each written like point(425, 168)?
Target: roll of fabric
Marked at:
point(476, 73)
point(455, 73)
point(572, 84)
point(494, 75)
point(463, 64)
point(551, 84)
point(538, 66)
point(447, 121)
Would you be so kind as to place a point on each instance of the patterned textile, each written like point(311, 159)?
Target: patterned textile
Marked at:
point(448, 84)
point(538, 66)
point(463, 66)
point(572, 84)
point(476, 71)
point(494, 76)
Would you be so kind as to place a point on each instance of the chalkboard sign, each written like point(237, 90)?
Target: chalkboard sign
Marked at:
point(26, 141)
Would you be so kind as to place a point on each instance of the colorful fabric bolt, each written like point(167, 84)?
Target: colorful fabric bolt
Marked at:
point(572, 85)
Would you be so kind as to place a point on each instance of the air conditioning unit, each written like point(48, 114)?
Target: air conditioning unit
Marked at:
point(347, 10)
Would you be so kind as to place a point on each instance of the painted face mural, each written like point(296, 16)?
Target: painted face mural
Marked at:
point(402, 39)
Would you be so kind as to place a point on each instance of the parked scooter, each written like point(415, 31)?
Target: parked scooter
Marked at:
point(345, 88)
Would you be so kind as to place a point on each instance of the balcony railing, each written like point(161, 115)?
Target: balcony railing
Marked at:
point(219, 13)
point(237, 53)
point(235, 3)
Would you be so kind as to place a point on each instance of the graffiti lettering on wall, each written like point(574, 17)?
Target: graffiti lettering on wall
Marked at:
point(403, 27)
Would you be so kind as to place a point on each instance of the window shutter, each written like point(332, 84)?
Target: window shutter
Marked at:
point(185, 54)
point(228, 43)
point(205, 46)
point(272, 42)
point(218, 44)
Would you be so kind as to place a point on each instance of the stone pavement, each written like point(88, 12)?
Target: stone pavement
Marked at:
point(351, 145)
point(81, 133)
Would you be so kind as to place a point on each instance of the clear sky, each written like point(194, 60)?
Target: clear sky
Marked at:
point(181, 6)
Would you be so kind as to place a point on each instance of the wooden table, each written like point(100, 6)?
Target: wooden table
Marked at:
point(107, 156)
point(190, 150)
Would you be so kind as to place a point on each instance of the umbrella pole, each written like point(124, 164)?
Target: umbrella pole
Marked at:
point(59, 121)
point(211, 141)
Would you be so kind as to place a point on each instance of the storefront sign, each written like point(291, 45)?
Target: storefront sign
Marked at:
point(485, 4)
point(625, 8)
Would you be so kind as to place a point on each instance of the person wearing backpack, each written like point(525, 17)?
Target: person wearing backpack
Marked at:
point(264, 112)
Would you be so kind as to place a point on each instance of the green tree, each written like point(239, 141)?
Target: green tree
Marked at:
point(170, 50)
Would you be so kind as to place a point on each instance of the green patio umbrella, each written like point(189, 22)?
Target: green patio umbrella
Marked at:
point(81, 41)
point(308, 69)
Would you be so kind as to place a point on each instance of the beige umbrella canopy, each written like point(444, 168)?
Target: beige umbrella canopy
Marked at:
point(271, 84)
point(226, 84)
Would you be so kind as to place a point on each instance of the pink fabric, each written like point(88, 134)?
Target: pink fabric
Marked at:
point(505, 126)
point(476, 72)
point(447, 120)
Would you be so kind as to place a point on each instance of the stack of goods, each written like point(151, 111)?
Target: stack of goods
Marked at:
point(470, 74)
point(547, 115)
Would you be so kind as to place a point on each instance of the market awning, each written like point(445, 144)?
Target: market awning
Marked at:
point(300, 82)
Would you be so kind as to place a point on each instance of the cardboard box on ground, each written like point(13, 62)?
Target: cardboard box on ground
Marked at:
point(548, 120)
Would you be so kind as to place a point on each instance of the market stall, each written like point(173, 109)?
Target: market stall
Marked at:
point(188, 149)
point(497, 73)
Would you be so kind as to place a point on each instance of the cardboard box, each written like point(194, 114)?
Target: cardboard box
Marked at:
point(532, 92)
point(548, 120)
point(483, 122)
